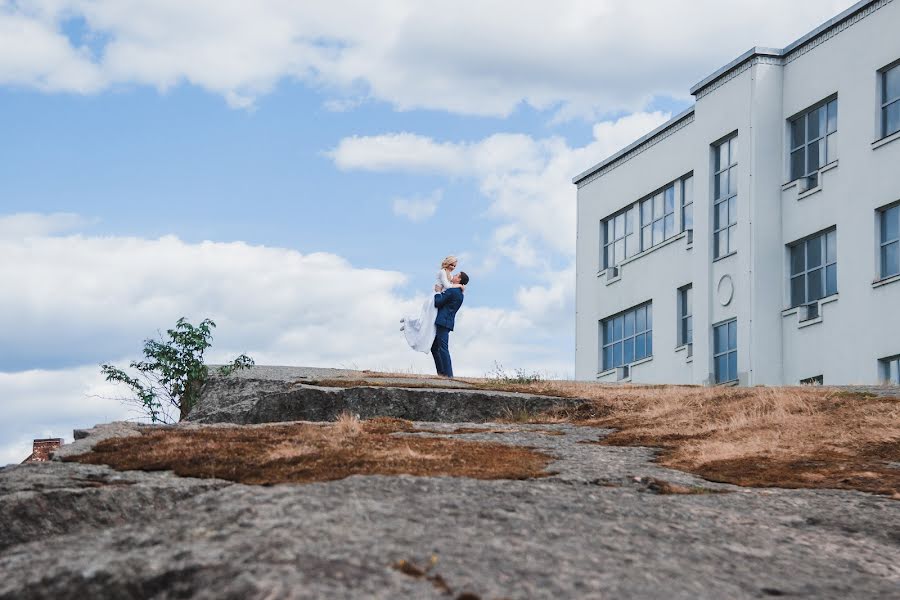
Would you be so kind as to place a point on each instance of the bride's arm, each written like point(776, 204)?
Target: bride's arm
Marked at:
point(445, 280)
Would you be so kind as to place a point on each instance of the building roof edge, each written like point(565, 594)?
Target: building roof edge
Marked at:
point(643, 139)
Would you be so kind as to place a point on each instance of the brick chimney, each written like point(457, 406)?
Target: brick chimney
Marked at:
point(42, 449)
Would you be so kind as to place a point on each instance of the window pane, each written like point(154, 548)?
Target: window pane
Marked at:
point(831, 246)
point(687, 191)
point(607, 358)
point(640, 347)
point(815, 121)
point(814, 252)
point(892, 84)
point(832, 116)
point(721, 369)
point(798, 259)
point(732, 210)
point(617, 328)
point(687, 221)
point(657, 231)
point(607, 333)
point(647, 211)
point(732, 180)
point(798, 127)
point(798, 163)
point(890, 116)
point(658, 206)
point(649, 348)
point(798, 290)
point(629, 324)
point(628, 350)
point(721, 215)
point(831, 143)
point(830, 280)
point(812, 157)
point(721, 156)
point(814, 285)
point(617, 355)
point(647, 237)
point(630, 217)
point(720, 343)
point(620, 225)
point(610, 230)
point(890, 259)
point(732, 366)
point(890, 224)
point(720, 243)
point(640, 319)
point(631, 245)
point(733, 149)
point(732, 238)
point(721, 185)
point(689, 337)
point(670, 226)
point(732, 335)
point(649, 316)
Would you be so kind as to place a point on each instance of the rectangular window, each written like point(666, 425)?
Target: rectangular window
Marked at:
point(685, 316)
point(813, 140)
point(890, 101)
point(658, 218)
point(890, 241)
point(814, 380)
point(627, 337)
point(687, 203)
point(725, 351)
point(814, 268)
point(621, 238)
point(890, 369)
point(725, 198)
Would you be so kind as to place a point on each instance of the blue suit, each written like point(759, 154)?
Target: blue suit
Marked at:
point(447, 303)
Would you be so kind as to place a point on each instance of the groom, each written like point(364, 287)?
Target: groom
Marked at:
point(447, 303)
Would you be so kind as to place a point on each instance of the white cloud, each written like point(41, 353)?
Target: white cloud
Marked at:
point(82, 300)
point(25, 225)
point(581, 57)
point(418, 209)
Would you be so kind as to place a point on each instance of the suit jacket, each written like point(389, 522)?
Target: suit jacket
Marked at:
point(447, 303)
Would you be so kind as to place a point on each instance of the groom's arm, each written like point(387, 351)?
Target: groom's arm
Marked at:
point(440, 299)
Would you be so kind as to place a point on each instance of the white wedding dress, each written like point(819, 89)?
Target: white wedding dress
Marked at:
point(420, 330)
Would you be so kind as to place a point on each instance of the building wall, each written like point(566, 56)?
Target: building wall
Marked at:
point(859, 325)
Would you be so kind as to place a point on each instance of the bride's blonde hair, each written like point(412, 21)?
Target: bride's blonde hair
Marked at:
point(449, 262)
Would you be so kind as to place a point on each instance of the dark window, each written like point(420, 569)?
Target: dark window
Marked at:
point(814, 268)
point(890, 241)
point(890, 101)
point(687, 203)
point(725, 351)
point(725, 198)
point(813, 140)
point(814, 380)
point(685, 318)
point(627, 337)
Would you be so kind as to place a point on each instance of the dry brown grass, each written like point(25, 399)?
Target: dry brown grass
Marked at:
point(783, 437)
point(306, 452)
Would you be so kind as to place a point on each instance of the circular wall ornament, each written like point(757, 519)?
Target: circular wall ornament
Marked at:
point(725, 290)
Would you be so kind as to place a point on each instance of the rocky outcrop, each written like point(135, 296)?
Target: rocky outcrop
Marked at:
point(272, 394)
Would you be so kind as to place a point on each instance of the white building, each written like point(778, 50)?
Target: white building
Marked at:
point(755, 238)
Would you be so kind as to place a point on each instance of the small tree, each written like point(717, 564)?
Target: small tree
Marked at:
point(172, 372)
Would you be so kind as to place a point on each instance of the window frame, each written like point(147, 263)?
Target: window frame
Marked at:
point(685, 315)
point(886, 102)
point(825, 141)
point(730, 227)
point(883, 243)
point(825, 263)
point(610, 322)
point(607, 244)
point(727, 352)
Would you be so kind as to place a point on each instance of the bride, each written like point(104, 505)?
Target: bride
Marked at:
point(419, 331)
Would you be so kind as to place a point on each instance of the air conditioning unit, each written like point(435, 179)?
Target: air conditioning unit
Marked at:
point(807, 183)
point(623, 372)
point(690, 350)
point(809, 311)
point(612, 273)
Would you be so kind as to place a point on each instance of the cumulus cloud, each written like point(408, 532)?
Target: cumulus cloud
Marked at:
point(583, 58)
point(81, 300)
point(418, 209)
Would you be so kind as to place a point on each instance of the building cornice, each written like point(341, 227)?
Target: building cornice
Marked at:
point(674, 124)
point(792, 51)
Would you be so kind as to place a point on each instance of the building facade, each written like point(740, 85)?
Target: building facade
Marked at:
point(755, 237)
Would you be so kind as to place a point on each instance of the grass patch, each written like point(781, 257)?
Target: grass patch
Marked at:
point(306, 452)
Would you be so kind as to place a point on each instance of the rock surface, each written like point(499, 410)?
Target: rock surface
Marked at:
point(595, 528)
point(271, 394)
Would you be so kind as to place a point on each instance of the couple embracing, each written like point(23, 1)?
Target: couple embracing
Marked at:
point(430, 331)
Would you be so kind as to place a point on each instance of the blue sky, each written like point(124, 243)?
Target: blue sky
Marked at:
point(298, 172)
